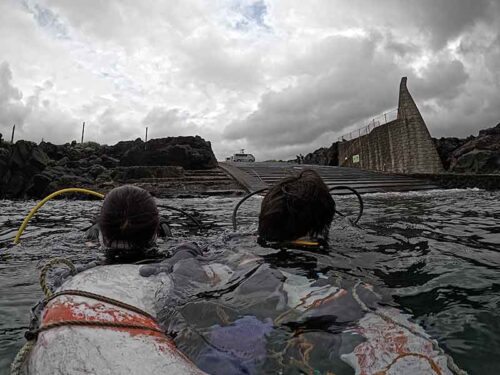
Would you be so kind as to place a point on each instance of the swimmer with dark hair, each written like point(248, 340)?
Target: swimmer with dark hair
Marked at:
point(332, 324)
point(129, 218)
point(261, 300)
point(129, 222)
point(296, 207)
point(124, 295)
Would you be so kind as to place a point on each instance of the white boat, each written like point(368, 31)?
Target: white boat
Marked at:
point(241, 157)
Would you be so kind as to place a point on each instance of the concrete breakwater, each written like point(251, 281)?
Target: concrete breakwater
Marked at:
point(165, 166)
point(404, 146)
point(472, 155)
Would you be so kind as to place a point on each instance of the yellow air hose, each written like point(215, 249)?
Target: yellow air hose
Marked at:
point(48, 198)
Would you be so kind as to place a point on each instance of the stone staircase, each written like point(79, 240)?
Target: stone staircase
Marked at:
point(190, 183)
point(254, 176)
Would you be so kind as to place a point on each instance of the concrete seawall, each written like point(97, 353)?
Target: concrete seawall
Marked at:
point(402, 146)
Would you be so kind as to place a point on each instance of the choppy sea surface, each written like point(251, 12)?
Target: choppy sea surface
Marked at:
point(436, 254)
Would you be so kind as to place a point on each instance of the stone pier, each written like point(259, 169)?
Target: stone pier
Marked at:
point(403, 145)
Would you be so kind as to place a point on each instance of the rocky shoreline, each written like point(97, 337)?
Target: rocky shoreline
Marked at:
point(472, 155)
point(165, 166)
point(186, 166)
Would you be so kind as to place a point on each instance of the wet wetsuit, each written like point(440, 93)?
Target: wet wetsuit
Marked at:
point(323, 324)
point(263, 298)
point(226, 320)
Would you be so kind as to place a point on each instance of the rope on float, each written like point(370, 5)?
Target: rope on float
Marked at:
point(32, 335)
point(15, 367)
point(98, 297)
point(47, 267)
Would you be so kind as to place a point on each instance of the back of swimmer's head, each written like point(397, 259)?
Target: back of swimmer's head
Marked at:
point(128, 215)
point(295, 207)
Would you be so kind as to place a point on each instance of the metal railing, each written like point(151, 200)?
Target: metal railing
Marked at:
point(382, 119)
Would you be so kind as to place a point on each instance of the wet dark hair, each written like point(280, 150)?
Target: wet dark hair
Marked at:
point(295, 207)
point(129, 214)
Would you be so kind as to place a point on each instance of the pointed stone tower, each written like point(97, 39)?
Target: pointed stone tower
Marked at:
point(419, 152)
point(403, 145)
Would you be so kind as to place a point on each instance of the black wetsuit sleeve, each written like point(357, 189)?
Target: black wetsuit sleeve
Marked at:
point(93, 232)
point(187, 250)
point(164, 229)
point(184, 251)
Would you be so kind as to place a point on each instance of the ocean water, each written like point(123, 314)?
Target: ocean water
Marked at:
point(435, 255)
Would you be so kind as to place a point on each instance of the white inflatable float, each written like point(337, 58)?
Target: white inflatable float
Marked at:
point(129, 340)
point(84, 333)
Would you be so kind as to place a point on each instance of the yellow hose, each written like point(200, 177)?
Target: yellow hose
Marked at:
point(48, 198)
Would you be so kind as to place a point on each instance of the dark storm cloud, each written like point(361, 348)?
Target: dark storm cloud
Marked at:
point(12, 109)
point(437, 20)
point(35, 117)
point(443, 20)
point(277, 77)
point(176, 122)
point(172, 121)
point(342, 81)
point(334, 91)
point(441, 80)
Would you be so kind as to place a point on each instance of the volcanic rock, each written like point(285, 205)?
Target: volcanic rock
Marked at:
point(28, 170)
point(446, 146)
point(478, 155)
point(186, 152)
point(23, 161)
point(324, 155)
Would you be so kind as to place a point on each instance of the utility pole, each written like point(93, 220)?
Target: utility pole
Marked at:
point(146, 139)
point(83, 131)
point(13, 131)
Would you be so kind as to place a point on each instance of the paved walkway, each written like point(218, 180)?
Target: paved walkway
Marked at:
point(254, 176)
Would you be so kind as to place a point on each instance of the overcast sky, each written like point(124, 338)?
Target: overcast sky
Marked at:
point(277, 77)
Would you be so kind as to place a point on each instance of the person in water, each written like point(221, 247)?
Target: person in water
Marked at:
point(260, 300)
point(129, 223)
point(129, 218)
point(296, 207)
point(334, 324)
